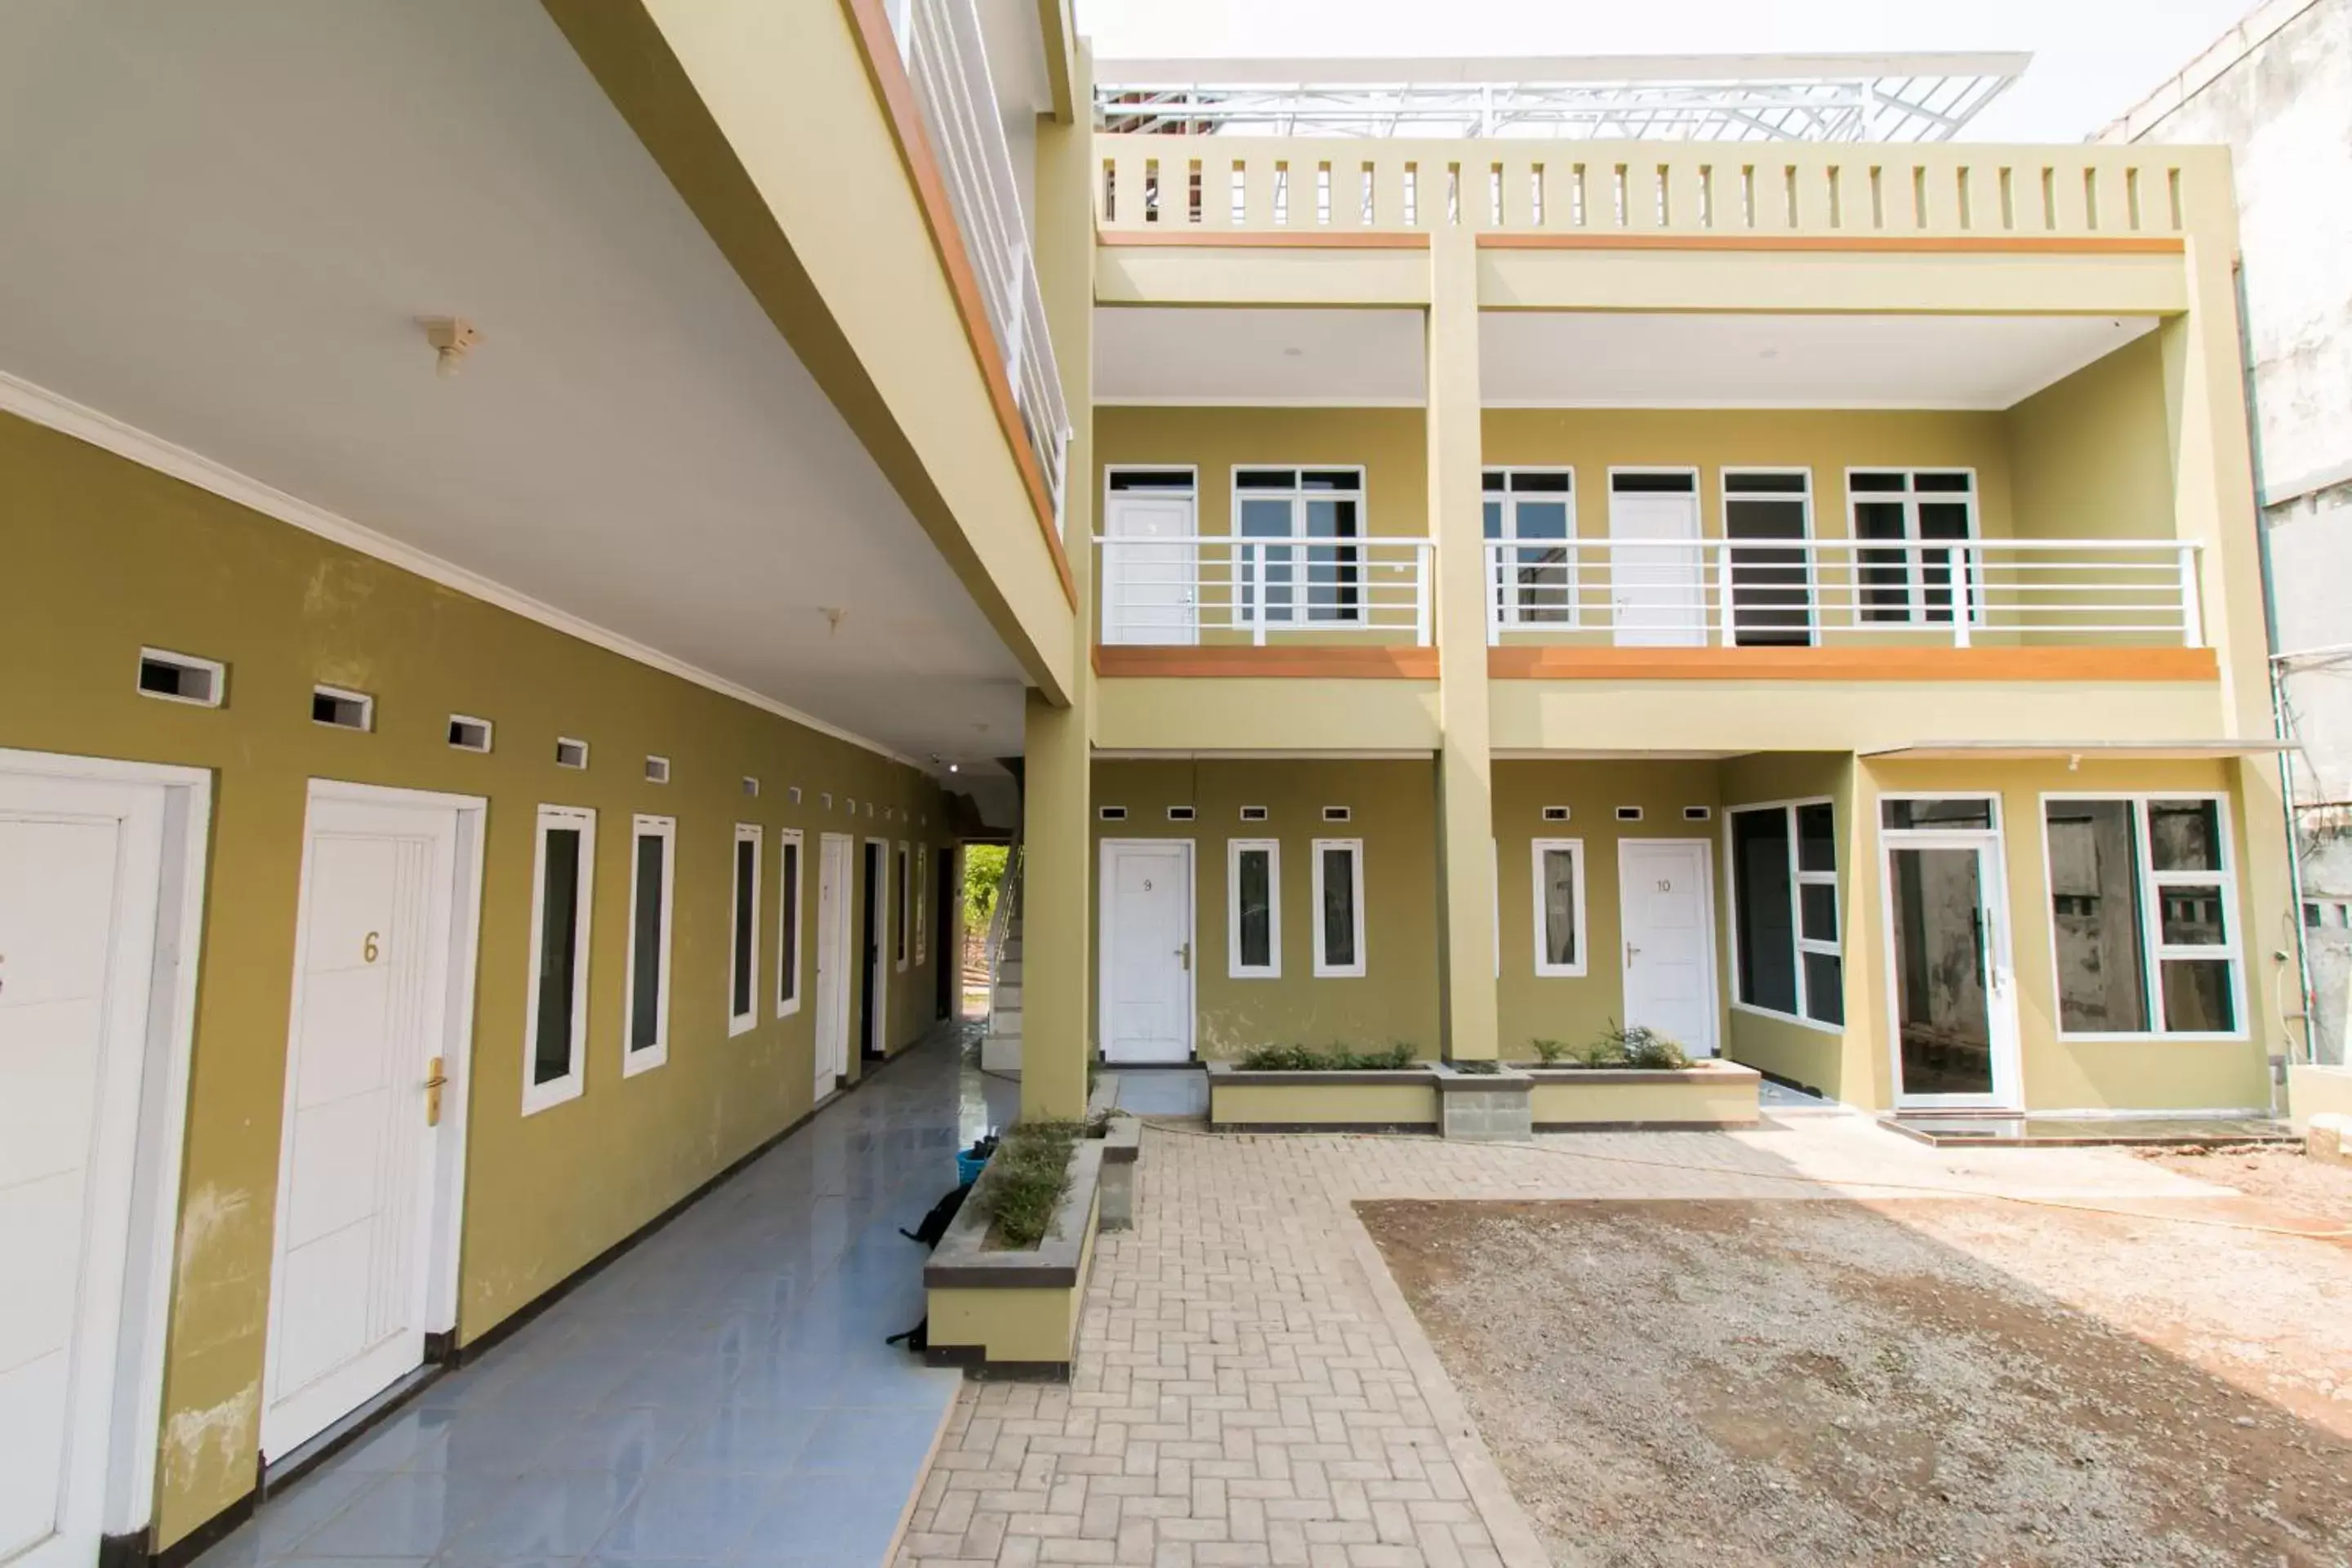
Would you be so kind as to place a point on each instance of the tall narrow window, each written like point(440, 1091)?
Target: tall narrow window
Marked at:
point(1339, 907)
point(2142, 895)
point(1772, 584)
point(1560, 906)
point(1926, 517)
point(788, 922)
point(743, 951)
point(652, 874)
point(906, 901)
point(1253, 908)
point(1530, 523)
point(1785, 924)
point(555, 1047)
point(1285, 573)
point(922, 905)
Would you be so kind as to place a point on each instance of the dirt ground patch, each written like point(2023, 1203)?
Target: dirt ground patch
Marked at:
point(1927, 1381)
point(2287, 1177)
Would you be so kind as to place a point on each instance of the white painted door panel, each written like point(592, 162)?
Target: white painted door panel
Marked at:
point(1147, 951)
point(832, 1051)
point(1667, 910)
point(80, 875)
point(355, 1195)
point(1150, 594)
point(1656, 571)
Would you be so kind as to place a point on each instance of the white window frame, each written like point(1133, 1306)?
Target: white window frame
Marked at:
point(1503, 605)
point(636, 1060)
point(745, 833)
point(1914, 575)
point(1324, 968)
point(1798, 878)
point(539, 1097)
point(902, 931)
point(2152, 950)
point(1234, 968)
point(791, 935)
point(1537, 850)
point(1726, 495)
point(1300, 615)
point(922, 905)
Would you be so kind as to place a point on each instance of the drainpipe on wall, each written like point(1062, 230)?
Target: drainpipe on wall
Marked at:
point(2275, 673)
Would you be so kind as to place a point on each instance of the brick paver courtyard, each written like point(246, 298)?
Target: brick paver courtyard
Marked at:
point(1250, 1389)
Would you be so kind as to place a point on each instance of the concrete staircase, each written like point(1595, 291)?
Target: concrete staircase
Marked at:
point(1000, 1048)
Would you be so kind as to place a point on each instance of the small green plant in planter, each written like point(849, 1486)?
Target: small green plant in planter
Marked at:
point(1551, 1053)
point(1478, 1068)
point(1639, 1046)
point(1027, 1180)
point(1305, 1059)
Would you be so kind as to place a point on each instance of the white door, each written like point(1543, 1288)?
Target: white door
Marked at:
point(1657, 575)
point(80, 878)
point(1665, 896)
point(832, 961)
point(1954, 996)
point(1147, 949)
point(361, 1140)
point(1149, 590)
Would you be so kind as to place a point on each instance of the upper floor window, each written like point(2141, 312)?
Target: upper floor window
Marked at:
point(653, 872)
point(1530, 516)
point(562, 882)
point(1768, 514)
point(1298, 582)
point(1913, 510)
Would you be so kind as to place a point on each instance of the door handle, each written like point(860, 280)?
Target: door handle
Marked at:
point(1185, 954)
point(434, 1080)
point(1629, 950)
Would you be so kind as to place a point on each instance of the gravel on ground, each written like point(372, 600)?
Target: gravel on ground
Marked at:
point(1704, 1381)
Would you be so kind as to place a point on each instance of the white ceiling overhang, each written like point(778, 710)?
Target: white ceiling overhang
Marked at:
point(224, 225)
point(1594, 359)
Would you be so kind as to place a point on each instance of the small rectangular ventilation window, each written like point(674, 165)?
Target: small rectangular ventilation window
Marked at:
point(1337, 814)
point(1179, 814)
point(752, 788)
point(181, 678)
point(1254, 814)
point(468, 734)
point(1629, 814)
point(570, 753)
point(827, 799)
point(792, 794)
point(1112, 813)
point(657, 770)
point(342, 709)
point(1697, 813)
point(1555, 814)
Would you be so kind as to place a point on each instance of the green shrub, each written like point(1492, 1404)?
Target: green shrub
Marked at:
point(1551, 1053)
point(1639, 1046)
point(1305, 1059)
point(1477, 1069)
point(1027, 1180)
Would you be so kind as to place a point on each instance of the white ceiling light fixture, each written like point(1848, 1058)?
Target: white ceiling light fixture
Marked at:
point(453, 338)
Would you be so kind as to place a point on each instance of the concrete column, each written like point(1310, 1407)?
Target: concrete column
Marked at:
point(1465, 838)
point(1057, 896)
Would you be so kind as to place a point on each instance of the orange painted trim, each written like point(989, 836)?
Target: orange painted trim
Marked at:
point(1190, 236)
point(888, 75)
point(1278, 663)
point(1564, 663)
point(1866, 243)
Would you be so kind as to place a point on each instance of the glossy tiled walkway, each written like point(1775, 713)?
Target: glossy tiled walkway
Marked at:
point(721, 1393)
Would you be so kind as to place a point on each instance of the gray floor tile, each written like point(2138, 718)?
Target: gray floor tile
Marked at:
point(870, 1442)
point(622, 1440)
point(679, 1513)
point(826, 1516)
point(557, 1515)
point(741, 1441)
point(406, 1515)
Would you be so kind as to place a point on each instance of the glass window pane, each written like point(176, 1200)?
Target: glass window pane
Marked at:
point(559, 947)
point(1542, 484)
point(2095, 906)
point(1652, 484)
point(1560, 906)
point(1542, 520)
point(789, 869)
point(1943, 520)
point(1816, 838)
point(1881, 520)
point(1339, 907)
point(1254, 894)
point(1765, 484)
point(1493, 516)
point(2185, 834)
point(2197, 997)
point(1491, 480)
point(1264, 518)
point(1768, 939)
point(745, 854)
point(1748, 518)
point(1880, 480)
point(1956, 813)
point(645, 946)
point(1331, 480)
point(1941, 481)
point(1824, 988)
point(1267, 479)
point(1817, 909)
point(2192, 916)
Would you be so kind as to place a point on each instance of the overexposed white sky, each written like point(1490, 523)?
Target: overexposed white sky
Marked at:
point(2092, 59)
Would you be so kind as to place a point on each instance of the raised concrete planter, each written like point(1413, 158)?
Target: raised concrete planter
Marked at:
point(1707, 1094)
point(1015, 1314)
point(1400, 1099)
point(1483, 1107)
point(1122, 1147)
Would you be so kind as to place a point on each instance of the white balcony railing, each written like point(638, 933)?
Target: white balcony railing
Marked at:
point(948, 67)
point(1173, 590)
point(1746, 592)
